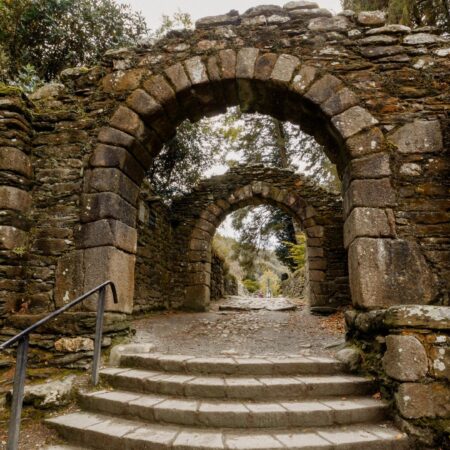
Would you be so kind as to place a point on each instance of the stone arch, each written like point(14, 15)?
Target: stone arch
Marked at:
point(249, 78)
point(317, 212)
point(353, 112)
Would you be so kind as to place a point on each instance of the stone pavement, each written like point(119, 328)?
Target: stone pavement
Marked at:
point(237, 303)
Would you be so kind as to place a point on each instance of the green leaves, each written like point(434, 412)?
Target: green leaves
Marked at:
point(51, 35)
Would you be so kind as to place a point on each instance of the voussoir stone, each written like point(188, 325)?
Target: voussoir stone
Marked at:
point(196, 70)
point(353, 121)
point(420, 136)
point(371, 18)
point(336, 23)
point(246, 59)
point(14, 199)
point(405, 358)
point(323, 89)
point(284, 68)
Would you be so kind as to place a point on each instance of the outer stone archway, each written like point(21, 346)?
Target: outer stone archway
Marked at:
point(316, 211)
point(376, 96)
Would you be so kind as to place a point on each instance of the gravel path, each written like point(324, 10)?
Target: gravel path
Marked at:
point(253, 332)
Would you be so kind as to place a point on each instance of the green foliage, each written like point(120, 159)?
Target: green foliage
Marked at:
point(297, 251)
point(407, 12)
point(252, 286)
point(51, 35)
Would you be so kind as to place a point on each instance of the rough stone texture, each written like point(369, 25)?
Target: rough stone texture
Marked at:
point(371, 18)
point(405, 358)
point(418, 316)
point(421, 136)
point(383, 271)
point(368, 222)
point(416, 401)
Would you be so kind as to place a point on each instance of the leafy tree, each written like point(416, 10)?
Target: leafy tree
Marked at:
point(408, 12)
point(297, 251)
point(51, 35)
point(252, 286)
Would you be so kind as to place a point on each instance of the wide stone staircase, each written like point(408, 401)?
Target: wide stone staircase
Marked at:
point(156, 401)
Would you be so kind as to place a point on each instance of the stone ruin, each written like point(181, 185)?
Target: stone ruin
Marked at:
point(75, 153)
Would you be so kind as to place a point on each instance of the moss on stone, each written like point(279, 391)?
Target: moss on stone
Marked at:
point(6, 89)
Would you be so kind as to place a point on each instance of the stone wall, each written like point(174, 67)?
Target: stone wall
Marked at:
point(408, 349)
point(223, 283)
point(153, 281)
point(16, 181)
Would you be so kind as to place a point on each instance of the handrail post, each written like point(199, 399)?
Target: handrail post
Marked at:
point(98, 336)
point(18, 391)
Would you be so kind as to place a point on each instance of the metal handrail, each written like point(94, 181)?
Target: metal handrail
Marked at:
point(23, 339)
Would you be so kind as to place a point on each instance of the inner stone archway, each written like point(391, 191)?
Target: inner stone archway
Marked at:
point(317, 212)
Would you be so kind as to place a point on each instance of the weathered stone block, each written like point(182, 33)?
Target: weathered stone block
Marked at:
point(197, 298)
point(420, 136)
point(107, 233)
point(14, 160)
point(111, 180)
point(323, 89)
point(440, 362)
point(416, 401)
point(162, 92)
point(232, 18)
point(144, 104)
point(366, 142)
point(117, 157)
point(382, 51)
point(368, 222)
point(12, 238)
point(353, 121)
point(372, 166)
point(178, 77)
point(246, 59)
point(422, 39)
point(304, 78)
point(69, 278)
point(405, 358)
point(228, 63)
point(284, 68)
point(14, 199)
point(109, 263)
point(126, 120)
point(106, 205)
point(369, 193)
point(336, 23)
point(386, 272)
point(339, 102)
point(312, 13)
point(371, 18)
point(196, 70)
point(418, 316)
point(300, 4)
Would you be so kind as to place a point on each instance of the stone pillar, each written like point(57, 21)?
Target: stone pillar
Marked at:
point(15, 199)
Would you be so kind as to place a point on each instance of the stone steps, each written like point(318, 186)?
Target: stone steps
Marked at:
point(104, 431)
point(250, 388)
point(187, 403)
point(235, 414)
point(233, 366)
